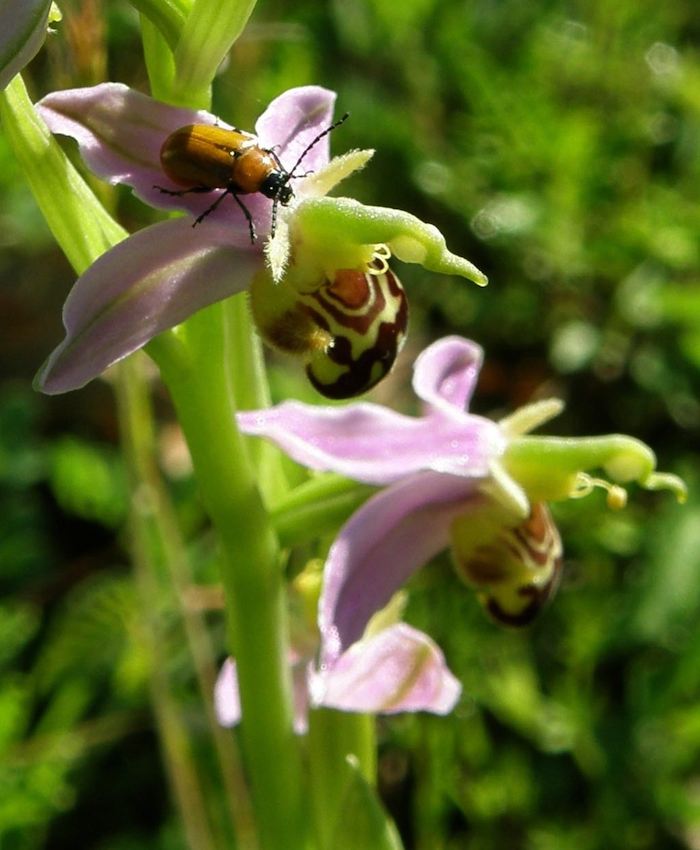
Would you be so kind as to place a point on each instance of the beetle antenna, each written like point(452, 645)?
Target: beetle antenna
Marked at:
point(315, 141)
point(290, 174)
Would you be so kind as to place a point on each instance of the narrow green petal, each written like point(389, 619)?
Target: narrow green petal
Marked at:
point(549, 468)
point(209, 32)
point(325, 222)
point(168, 16)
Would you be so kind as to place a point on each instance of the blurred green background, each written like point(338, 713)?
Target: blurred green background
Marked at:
point(557, 145)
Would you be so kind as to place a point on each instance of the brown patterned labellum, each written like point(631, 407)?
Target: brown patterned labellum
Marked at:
point(517, 571)
point(349, 330)
point(365, 314)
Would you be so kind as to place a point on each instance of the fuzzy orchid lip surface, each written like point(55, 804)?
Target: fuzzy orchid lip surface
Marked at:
point(451, 480)
point(156, 278)
point(22, 32)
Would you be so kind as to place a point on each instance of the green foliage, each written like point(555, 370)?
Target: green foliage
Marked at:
point(88, 481)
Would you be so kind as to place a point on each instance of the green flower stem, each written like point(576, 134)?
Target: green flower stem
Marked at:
point(224, 369)
point(251, 392)
point(152, 514)
point(333, 736)
point(253, 581)
point(317, 507)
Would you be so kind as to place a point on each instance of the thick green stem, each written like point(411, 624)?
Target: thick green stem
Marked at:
point(203, 395)
point(251, 392)
point(333, 736)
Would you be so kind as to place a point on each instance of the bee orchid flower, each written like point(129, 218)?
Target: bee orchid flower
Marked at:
point(320, 289)
point(450, 480)
point(394, 668)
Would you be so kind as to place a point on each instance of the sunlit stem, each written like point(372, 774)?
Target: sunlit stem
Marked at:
point(203, 395)
point(333, 736)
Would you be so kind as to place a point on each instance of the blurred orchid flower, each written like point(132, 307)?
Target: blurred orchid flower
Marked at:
point(23, 25)
point(321, 288)
point(450, 479)
point(393, 668)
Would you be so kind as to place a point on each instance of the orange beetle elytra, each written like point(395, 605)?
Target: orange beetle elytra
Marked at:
point(204, 158)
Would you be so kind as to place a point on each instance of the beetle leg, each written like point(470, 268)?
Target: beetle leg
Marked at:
point(200, 218)
point(246, 213)
point(178, 192)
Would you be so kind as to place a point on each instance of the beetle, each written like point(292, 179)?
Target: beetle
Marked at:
point(204, 158)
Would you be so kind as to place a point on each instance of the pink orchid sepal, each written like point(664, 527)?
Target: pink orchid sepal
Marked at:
point(340, 248)
point(23, 27)
point(452, 480)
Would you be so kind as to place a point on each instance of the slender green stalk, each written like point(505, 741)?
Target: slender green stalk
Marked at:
point(255, 593)
point(318, 506)
point(139, 445)
point(333, 736)
point(175, 744)
point(251, 392)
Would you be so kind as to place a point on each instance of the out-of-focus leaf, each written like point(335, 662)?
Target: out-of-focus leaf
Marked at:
point(88, 481)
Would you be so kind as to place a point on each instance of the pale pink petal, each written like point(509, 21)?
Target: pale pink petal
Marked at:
point(292, 121)
point(119, 130)
point(391, 536)
point(370, 443)
point(445, 374)
point(300, 695)
point(227, 699)
point(120, 133)
point(399, 669)
point(150, 282)
point(22, 32)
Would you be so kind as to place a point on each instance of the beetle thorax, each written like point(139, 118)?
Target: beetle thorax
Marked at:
point(253, 169)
